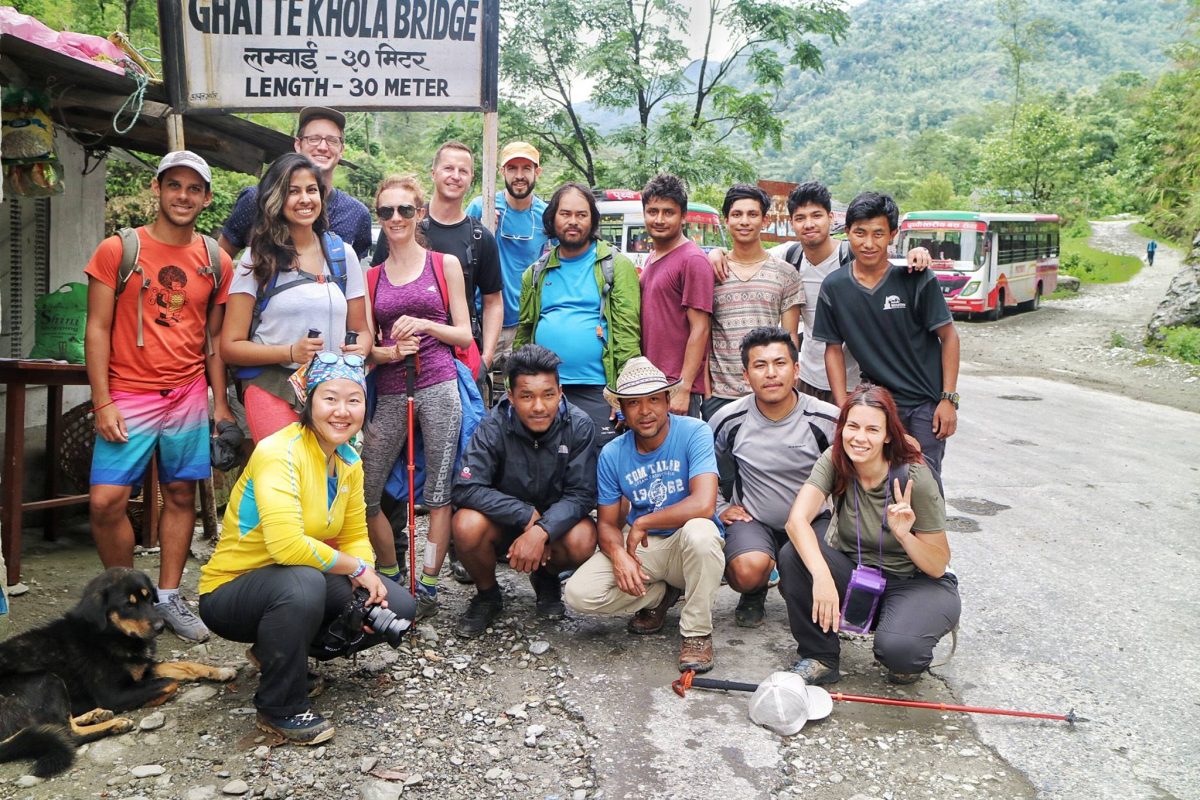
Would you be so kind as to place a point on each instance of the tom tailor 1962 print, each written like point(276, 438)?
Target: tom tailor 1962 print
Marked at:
point(261, 55)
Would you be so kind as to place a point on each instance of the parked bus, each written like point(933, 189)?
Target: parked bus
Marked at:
point(624, 226)
point(987, 263)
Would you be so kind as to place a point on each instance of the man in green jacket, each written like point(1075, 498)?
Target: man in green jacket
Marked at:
point(582, 301)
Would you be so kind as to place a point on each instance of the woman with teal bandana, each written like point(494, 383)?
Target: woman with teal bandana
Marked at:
point(294, 548)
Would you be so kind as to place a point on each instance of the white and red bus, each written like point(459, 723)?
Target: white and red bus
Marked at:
point(623, 224)
point(987, 263)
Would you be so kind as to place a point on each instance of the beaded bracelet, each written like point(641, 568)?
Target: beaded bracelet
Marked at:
point(362, 567)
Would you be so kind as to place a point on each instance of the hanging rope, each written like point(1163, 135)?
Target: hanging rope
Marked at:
point(132, 107)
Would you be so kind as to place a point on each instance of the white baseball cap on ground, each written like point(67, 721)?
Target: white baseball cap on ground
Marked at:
point(784, 702)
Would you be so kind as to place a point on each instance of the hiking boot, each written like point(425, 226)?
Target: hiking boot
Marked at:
point(903, 678)
point(773, 580)
point(459, 572)
point(696, 654)
point(481, 612)
point(815, 673)
point(305, 728)
point(650, 620)
point(750, 609)
point(182, 620)
point(548, 590)
point(314, 681)
point(427, 606)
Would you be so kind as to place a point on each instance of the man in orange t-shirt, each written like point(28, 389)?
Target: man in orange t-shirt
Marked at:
point(146, 361)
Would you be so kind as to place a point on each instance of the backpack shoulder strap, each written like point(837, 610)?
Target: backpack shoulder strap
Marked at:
point(608, 271)
point(131, 248)
point(214, 270)
point(844, 254)
point(335, 254)
point(373, 282)
point(439, 274)
point(539, 267)
point(795, 255)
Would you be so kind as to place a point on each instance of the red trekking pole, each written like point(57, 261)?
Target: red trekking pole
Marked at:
point(411, 364)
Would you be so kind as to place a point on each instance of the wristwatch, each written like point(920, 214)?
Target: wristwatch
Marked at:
point(952, 397)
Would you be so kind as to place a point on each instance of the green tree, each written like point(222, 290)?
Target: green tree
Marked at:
point(933, 192)
point(1037, 162)
point(1023, 40)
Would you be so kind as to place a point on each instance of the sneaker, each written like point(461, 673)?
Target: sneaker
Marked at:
point(481, 612)
point(548, 591)
point(427, 606)
point(315, 681)
point(751, 609)
point(903, 678)
point(815, 673)
point(459, 572)
point(650, 620)
point(305, 728)
point(696, 654)
point(182, 620)
point(773, 581)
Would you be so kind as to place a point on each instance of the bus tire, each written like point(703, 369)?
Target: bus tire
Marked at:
point(1035, 303)
point(996, 313)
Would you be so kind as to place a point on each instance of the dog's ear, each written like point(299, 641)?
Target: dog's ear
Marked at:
point(92, 608)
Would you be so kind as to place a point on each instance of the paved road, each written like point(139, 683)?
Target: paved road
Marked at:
point(1079, 586)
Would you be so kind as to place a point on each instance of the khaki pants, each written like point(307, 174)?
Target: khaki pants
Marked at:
point(692, 559)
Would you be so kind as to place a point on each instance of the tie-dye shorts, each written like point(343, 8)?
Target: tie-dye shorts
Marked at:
point(174, 421)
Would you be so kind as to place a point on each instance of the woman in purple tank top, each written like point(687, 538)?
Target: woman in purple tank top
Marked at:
point(409, 318)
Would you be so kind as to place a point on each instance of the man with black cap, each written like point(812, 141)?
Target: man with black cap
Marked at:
point(155, 299)
point(320, 135)
point(520, 232)
point(665, 467)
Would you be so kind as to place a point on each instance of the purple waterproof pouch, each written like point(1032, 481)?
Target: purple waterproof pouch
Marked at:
point(866, 584)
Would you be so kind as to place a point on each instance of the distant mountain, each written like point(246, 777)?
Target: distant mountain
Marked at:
point(908, 65)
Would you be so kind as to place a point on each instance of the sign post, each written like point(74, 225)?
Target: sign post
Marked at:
point(279, 55)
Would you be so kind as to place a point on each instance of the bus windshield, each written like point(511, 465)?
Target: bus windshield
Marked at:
point(965, 249)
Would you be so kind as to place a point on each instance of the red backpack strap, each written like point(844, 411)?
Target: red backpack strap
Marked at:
point(439, 272)
point(373, 282)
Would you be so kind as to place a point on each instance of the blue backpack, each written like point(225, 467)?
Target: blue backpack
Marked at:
point(335, 256)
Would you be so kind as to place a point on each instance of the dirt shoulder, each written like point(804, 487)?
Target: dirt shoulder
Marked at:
point(1095, 338)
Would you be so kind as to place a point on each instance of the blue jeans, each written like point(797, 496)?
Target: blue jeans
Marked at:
point(918, 421)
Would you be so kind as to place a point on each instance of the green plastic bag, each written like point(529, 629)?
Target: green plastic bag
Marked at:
point(60, 324)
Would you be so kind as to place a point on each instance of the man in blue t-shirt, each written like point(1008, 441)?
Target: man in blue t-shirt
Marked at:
point(583, 303)
point(666, 469)
point(320, 135)
point(520, 234)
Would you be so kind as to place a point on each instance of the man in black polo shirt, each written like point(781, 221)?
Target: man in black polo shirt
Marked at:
point(895, 324)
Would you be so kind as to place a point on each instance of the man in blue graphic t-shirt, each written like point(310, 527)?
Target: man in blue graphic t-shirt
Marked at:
point(665, 466)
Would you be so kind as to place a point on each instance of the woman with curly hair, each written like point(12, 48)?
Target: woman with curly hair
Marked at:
point(296, 277)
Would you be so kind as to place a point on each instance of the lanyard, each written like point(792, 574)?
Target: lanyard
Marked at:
point(887, 493)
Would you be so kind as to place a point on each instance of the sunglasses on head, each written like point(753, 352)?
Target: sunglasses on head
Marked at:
point(349, 359)
point(385, 212)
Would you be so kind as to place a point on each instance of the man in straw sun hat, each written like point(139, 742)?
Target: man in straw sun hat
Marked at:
point(665, 466)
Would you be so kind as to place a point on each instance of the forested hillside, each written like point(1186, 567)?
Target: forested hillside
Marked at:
point(914, 65)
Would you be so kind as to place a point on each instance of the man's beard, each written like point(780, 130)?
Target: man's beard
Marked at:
point(520, 195)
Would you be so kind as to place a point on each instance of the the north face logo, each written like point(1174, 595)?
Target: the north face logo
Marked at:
point(893, 303)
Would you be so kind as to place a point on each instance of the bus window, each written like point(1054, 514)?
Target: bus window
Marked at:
point(611, 228)
point(639, 240)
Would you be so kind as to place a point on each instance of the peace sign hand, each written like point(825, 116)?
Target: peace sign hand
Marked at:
point(900, 515)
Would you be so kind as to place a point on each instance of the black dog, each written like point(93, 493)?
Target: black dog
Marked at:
point(60, 685)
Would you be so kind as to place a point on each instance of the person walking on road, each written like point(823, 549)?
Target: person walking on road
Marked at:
point(1151, 249)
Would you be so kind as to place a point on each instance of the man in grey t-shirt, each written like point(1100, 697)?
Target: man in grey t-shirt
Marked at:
point(766, 445)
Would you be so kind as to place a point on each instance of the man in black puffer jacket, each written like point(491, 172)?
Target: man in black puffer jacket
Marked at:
point(527, 487)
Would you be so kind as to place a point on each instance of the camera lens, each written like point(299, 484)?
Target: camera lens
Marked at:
point(385, 622)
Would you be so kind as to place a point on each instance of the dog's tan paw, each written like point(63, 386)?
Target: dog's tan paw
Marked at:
point(123, 725)
point(94, 716)
point(224, 674)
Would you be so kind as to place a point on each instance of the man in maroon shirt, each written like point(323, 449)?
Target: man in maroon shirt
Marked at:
point(677, 295)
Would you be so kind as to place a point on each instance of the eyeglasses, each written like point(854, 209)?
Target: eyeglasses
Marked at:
point(385, 212)
point(315, 141)
point(349, 359)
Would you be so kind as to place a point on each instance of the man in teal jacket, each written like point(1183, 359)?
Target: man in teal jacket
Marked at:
point(582, 301)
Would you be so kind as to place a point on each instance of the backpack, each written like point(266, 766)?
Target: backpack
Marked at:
point(131, 248)
point(795, 255)
point(469, 355)
point(335, 255)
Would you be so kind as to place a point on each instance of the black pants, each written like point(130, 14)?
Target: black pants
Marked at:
point(281, 610)
point(914, 613)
